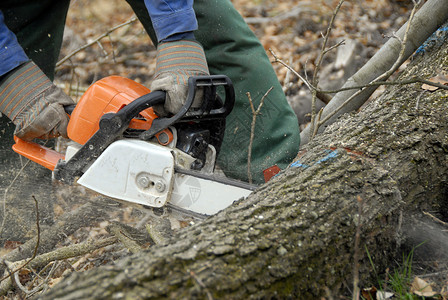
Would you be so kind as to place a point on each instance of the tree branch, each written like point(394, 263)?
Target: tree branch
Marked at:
point(95, 41)
point(255, 113)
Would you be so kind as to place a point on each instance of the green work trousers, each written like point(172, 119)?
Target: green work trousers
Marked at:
point(231, 49)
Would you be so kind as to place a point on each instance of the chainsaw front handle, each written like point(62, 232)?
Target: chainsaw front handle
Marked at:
point(212, 107)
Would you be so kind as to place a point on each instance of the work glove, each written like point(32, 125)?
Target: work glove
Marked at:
point(33, 103)
point(176, 62)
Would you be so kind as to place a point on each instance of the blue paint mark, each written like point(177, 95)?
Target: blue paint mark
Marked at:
point(438, 36)
point(297, 164)
point(331, 154)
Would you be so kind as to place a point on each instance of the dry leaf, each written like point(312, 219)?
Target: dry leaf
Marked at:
point(384, 295)
point(444, 293)
point(422, 288)
point(442, 79)
point(369, 293)
point(11, 245)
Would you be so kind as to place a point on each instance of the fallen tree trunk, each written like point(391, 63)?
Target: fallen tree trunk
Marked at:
point(295, 236)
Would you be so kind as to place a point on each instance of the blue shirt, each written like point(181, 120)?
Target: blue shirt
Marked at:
point(11, 53)
point(170, 17)
point(172, 20)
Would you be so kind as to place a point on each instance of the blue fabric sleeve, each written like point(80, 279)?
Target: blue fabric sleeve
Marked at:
point(11, 53)
point(171, 17)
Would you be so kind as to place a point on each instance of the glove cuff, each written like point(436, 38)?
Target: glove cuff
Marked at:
point(20, 90)
point(181, 55)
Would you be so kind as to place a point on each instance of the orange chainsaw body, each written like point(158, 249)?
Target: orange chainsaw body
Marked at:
point(107, 95)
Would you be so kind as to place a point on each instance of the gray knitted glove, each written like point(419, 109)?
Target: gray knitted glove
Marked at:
point(33, 103)
point(176, 62)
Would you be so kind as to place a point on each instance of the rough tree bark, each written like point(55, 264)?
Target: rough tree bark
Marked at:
point(295, 235)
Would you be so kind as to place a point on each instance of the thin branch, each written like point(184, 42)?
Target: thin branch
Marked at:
point(324, 44)
point(435, 219)
point(58, 254)
point(317, 68)
point(411, 80)
point(322, 96)
point(44, 280)
point(340, 43)
point(96, 40)
point(319, 115)
point(278, 60)
point(255, 113)
point(11, 282)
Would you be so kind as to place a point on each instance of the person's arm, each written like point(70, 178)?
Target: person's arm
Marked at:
point(172, 20)
point(11, 53)
point(179, 55)
point(27, 96)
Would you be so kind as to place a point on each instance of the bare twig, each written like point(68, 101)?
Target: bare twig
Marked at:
point(322, 96)
point(414, 79)
point(319, 115)
point(95, 41)
point(278, 60)
point(315, 80)
point(58, 254)
point(10, 282)
point(69, 222)
point(340, 43)
point(255, 113)
point(40, 286)
point(435, 219)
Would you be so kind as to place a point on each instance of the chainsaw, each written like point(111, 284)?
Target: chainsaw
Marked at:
point(120, 148)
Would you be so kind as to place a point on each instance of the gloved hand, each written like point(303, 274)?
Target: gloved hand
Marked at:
point(33, 103)
point(176, 62)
